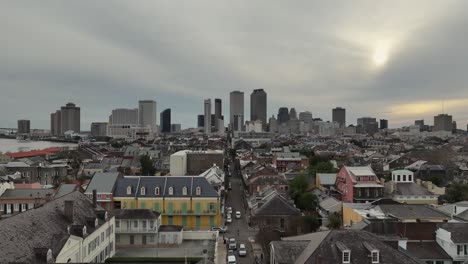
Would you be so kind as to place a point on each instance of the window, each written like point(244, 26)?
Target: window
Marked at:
point(129, 190)
point(117, 238)
point(151, 224)
point(102, 237)
point(117, 223)
point(459, 249)
point(151, 238)
point(135, 223)
point(143, 223)
point(171, 191)
point(143, 191)
point(212, 206)
point(156, 191)
point(346, 256)
point(410, 178)
point(16, 207)
point(404, 178)
point(375, 256)
point(399, 178)
point(198, 191)
point(282, 223)
point(184, 190)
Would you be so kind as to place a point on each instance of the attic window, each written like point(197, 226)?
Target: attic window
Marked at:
point(375, 256)
point(171, 191)
point(143, 191)
point(156, 191)
point(184, 190)
point(84, 231)
point(198, 191)
point(129, 190)
point(96, 222)
point(346, 256)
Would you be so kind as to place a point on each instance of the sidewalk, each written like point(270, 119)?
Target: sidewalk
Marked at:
point(221, 253)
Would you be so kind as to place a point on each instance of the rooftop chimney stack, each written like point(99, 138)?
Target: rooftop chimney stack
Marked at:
point(94, 198)
point(69, 210)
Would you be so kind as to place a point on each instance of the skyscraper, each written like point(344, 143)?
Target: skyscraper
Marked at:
point(273, 124)
point(218, 112)
point(368, 125)
point(207, 116)
point(56, 123)
point(443, 122)
point(147, 114)
point(283, 115)
point(24, 127)
point(383, 124)
point(258, 106)
point(419, 123)
point(236, 114)
point(124, 116)
point(339, 116)
point(292, 114)
point(200, 121)
point(99, 129)
point(306, 117)
point(166, 121)
point(70, 118)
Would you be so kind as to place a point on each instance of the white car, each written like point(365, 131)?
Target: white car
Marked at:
point(238, 215)
point(229, 210)
point(231, 260)
point(232, 244)
point(242, 250)
point(228, 219)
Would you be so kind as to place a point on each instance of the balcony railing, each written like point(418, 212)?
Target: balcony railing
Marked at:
point(123, 230)
point(190, 212)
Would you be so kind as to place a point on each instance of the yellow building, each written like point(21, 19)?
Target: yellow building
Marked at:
point(189, 201)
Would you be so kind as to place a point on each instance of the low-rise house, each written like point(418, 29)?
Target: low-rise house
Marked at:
point(453, 238)
point(136, 227)
point(358, 184)
point(4, 158)
point(337, 246)
point(170, 234)
point(282, 160)
point(6, 182)
point(403, 189)
point(328, 206)
point(94, 167)
point(71, 229)
point(215, 176)
point(64, 189)
point(325, 181)
point(104, 184)
point(459, 209)
point(14, 201)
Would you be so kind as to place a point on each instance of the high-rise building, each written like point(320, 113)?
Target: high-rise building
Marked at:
point(207, 116)
point(236, 114)
point(292, 114)
point(218, 112)
point(99, 129)
point(383, 124)
point(283, 115)
point(175, 128)
point(200, 121)
point(258, 106)
point(56, 123)
point(442, 122)
point(52, 124)
point(147, 114)
point(70, 118)
point(273, 124)
point(339, 116)
point(454, 127)
point(306, 117)
point(166, 121)
point(24, 127)
point(368, 125)
point(124, 116)
point(419, 123)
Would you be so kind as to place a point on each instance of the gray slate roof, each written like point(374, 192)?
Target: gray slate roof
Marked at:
point(459, 231)
point(43, 227)
point(287, 251)
point(277, 206)
point(412, 211)
point(103, 182)
point(427, 250)
point(327, 178)
point(411, 188)
point(65, 189)
point(26, 193)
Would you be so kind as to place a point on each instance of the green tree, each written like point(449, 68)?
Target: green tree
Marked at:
point(307, 201)
point(456, 192)
point(298, 186)
point(147, 166)
point(334, 220)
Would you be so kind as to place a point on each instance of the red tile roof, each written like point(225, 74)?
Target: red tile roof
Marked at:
point(33, 153)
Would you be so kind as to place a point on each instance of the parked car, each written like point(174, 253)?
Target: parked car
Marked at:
point(230, 253)
point(229, 186)
point(242, 250)
point(232, 244)
point(220, 229)
point(231, 260)
point(238, 215)
point(229, 210)
point(228, 219)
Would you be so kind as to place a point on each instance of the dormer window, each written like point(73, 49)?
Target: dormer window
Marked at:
point(84, 231)
point(375, 256)
point(171, 191)
point(156, 191)
point(198, 191)
point(129, 190)
point(96, 222)
point(143, 191)
point(346, 256)
point(184, 190)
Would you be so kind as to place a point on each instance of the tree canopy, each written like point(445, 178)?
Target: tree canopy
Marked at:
point(456, 192)
point(147, 166)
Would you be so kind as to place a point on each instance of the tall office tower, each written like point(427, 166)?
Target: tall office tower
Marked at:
point(213, 121)
point(419, 123)
point(258, 106)
point(306, 117)
point(454, 127)
point(166, 121)
point(218, 112)
point(292, 114)
point(443, 122)
point(99, 129)
point(236, 113)
point(24, 127)
point(200, 121)
point(273, 125)
point(368, 125)
point(207, 116)
point(56, 123)
point(283, 115)
point(52, 124)
point(124, 116)
point(383, 124)
point(70, 118)
point(339, 116)
point(147, 114)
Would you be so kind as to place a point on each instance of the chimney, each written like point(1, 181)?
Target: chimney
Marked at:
point(69, 210)
point(94, 198)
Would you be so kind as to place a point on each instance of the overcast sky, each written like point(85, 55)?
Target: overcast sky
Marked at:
point(400, 60)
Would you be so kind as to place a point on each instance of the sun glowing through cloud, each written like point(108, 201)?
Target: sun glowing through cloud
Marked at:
point(380, 56)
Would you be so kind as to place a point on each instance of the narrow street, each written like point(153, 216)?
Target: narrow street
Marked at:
point(239, 229)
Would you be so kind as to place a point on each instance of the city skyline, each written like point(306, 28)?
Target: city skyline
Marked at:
point(381, 60)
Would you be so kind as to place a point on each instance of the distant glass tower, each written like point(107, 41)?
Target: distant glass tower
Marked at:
point(339, 116)
point(147, 114)
point(283, 115)
point(236, 114)
point(258, 106)
point(165, 117)
point(218, 112)
point(207, 124)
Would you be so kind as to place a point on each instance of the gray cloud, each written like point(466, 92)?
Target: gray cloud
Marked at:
point(312, 56)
